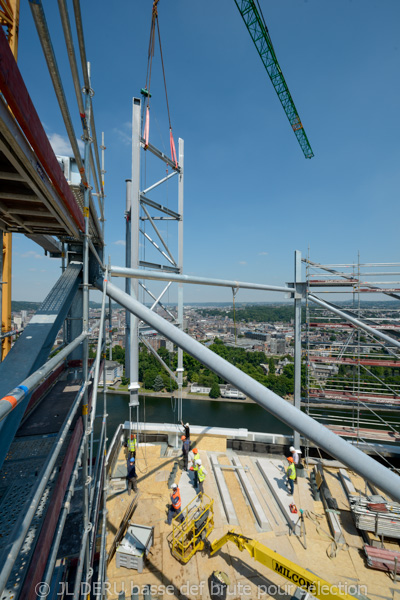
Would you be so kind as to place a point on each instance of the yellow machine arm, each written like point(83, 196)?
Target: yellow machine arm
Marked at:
point(279, 564)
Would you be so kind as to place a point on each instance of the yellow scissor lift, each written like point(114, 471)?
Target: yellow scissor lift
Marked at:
point(190, 535)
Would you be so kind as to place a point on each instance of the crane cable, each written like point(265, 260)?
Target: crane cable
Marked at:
point(154, 21)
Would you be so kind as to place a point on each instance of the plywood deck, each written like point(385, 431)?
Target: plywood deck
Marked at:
point(248, 578)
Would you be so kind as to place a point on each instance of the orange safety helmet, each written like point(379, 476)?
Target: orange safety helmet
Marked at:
point(132, 436)
point(183, 438)
point(195, 451)
point(290, 458)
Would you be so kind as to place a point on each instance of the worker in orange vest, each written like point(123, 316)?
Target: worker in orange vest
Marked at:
point(176, 505)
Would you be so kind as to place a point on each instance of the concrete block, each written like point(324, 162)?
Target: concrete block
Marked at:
point(275, 481)
point(224, 492)
point(251, 496)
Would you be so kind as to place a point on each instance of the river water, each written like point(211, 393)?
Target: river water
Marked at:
point(196, 412)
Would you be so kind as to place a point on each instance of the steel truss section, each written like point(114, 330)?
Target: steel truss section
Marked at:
point(140, 209)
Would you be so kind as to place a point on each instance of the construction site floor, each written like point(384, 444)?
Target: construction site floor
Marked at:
point(248, 579)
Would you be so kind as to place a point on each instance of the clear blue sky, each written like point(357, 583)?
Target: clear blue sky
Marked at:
point(251, 198)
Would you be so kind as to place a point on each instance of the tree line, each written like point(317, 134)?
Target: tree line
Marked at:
point(154, 377)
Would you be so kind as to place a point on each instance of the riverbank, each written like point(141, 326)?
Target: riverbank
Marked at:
point(205, 398)
point(185, 396)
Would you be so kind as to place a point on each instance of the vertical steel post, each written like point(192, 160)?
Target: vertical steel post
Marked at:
point(180, 265)
point(297, 341)
point(127, 283)
point(85, 325)
point(134, 284)
point(102, 184)
point(6, 238)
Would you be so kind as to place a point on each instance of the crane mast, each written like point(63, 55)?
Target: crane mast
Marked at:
point(257, 28)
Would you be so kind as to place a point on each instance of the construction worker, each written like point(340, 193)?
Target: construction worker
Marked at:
point(176, 504)
point(131, 476)
point(195, 467)
point(186, 427)
point(185, 452)
point(295, 455)
point(132, 444)
point(201, 474)
point(291, 475)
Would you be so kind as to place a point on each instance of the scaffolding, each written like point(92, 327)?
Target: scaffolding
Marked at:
point(348, 366)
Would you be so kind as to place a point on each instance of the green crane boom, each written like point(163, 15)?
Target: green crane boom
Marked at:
point(255, 23)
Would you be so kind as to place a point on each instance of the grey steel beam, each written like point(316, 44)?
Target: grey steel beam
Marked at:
point(142, 274)
point(149, 265)
point(159, 207)
point(152, 187)
point(333, 444)
point(157, 300)
point(157, 247)
point(158, 233)
point(158, 153)
point(47, 242)
point(356, 322)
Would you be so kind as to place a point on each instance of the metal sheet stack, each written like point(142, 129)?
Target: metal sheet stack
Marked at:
point(377, 515)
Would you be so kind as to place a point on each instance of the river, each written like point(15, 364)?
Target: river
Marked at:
point(196, 412)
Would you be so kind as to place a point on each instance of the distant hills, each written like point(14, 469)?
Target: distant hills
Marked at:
point(18, 305)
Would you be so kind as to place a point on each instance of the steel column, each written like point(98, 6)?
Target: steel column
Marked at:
point(128, 264)
point(180, 265)
point(134, 260)
point(333, 444)
point(297, 342)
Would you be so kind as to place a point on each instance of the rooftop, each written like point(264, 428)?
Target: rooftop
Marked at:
point(255, 511)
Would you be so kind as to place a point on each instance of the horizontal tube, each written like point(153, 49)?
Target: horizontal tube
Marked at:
point(15, 397)
point(142, 274)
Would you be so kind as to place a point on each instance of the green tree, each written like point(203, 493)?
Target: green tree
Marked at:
point(271, 365)
point(215, 391)
point(149, 379)
point(118, 354)
point(158, 384)
point(124, 380)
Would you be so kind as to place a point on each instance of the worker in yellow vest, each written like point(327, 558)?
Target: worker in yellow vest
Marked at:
point(291, 475)
point(194, 467)
point(132, 446)
point(201, 474)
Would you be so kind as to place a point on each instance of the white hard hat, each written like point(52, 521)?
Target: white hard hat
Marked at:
point(198, 461)
point(187, 425)
point(173, 486)
point(292, 449)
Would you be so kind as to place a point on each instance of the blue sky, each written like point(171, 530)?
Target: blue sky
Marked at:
point(251, 198)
